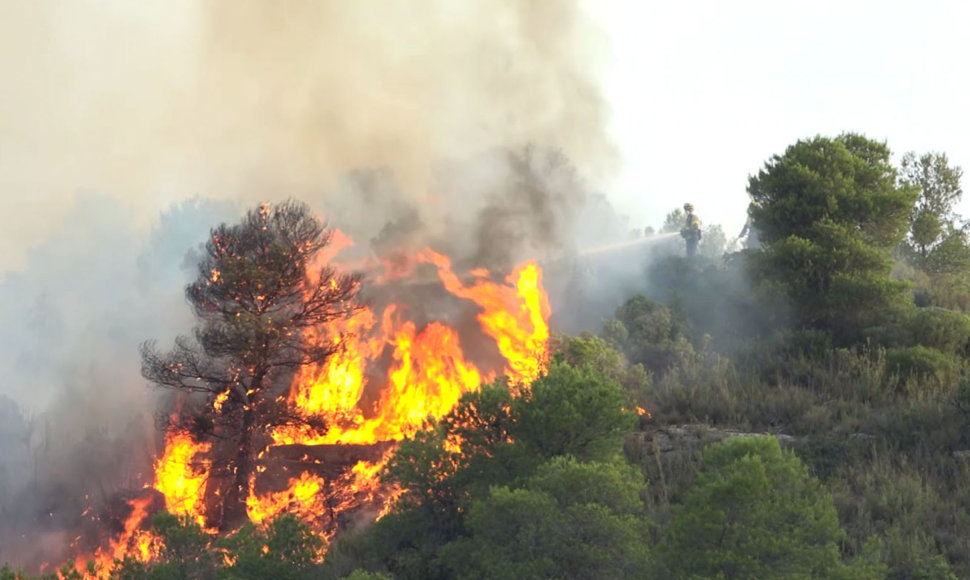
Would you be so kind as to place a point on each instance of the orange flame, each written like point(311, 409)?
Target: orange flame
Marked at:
point(429, 373)
point(133, 542)
point(180, 478)
point(426, 376)
point(343, 373)
point(302, 498)
point(515, 315)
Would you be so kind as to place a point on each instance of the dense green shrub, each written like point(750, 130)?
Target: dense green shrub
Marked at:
point(755, 512)
point(926, 366)
point(942, 329)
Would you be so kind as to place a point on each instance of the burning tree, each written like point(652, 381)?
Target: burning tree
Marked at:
point(261, 314)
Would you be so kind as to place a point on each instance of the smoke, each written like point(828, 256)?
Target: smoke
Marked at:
point(77, 418)
point(476, 128)
point(249, 100)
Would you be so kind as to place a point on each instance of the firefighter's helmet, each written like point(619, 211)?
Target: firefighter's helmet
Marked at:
point(688, 207)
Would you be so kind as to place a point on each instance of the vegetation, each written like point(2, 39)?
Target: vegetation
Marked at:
point(830, 213)
point(797, 411)
point(254, 297)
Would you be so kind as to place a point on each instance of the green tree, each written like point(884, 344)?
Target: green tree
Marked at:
point(255, 299)
point(571, 411)
point(599, 355)
point(648, 332)
point(8, 573)
point(286, 549)
point(830, 213)
point(503, 439)
point(755, 512)
point(939, 190)
point(937, 244)
point(567, 411)
point(570, 520)
point(362, 575)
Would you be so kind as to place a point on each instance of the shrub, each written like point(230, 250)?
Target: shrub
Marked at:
point(941, 329)
point(926, 366)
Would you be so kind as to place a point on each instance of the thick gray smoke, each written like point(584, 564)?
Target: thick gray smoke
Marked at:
point(476, 128)
point(77, 418)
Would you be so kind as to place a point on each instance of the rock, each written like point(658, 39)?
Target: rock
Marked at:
point(680, 438)
point(861, 438)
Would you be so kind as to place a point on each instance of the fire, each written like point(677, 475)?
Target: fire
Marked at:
point(180, 478)
point(302, 498)
point(133, 542)
point(430, 376)
point(367, 471)
point(429, 373)
point(343, 374)
point(514, 315)
point(415, 373)
point(338, 242)
point(427, 377)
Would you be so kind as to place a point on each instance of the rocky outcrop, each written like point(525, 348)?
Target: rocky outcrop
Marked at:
point(688, 438)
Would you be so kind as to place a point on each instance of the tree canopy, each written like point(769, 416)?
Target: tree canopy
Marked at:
point(830, 213)
point(261, 312)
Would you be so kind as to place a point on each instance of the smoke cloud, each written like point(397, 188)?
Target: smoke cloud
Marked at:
point(248, 100)
point(477, 128)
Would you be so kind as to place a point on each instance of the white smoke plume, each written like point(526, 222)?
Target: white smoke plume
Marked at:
point(249, 100)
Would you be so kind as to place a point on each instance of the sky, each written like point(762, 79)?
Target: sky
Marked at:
point(703, 92)
point(697, 95)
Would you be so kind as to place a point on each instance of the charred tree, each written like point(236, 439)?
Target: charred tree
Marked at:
point(261, 314)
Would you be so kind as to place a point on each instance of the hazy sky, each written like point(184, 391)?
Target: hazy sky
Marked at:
point(704, 91)
point(132, 99)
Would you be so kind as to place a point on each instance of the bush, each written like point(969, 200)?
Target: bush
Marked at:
point(754, 512)
point(648, 333)
point(362, 575)
point(891, 498)
point(926, 366)
point(595, 353)
point(571, 520)
point(941, 329)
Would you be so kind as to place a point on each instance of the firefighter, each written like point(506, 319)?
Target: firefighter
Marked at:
point(691, 232)
point(752, 242)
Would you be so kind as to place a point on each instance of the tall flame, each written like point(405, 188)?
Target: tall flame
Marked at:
point(514, 315)
point(343, 374)
point(133, 542)
point(426, 374)
point(429, 373)
point(180, 478)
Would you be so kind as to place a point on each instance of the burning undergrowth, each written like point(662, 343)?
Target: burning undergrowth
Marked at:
point(420, 338)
